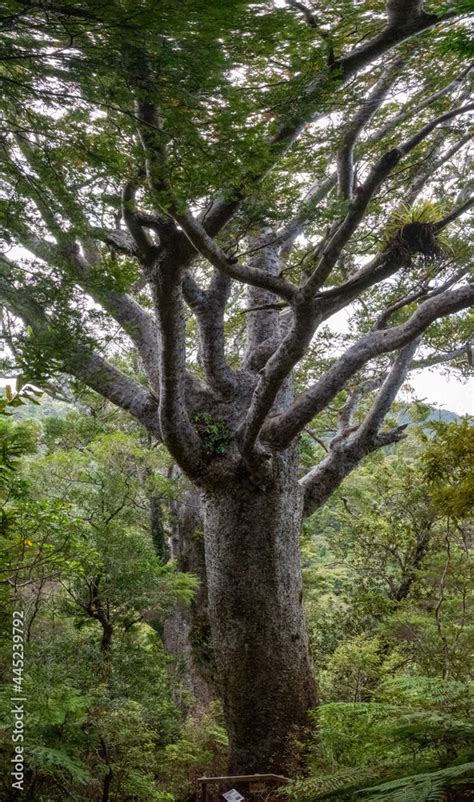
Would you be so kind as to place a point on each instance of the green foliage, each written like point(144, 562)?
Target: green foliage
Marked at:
point(418, 218)
point(448, 463)
point(396, 720)
point(387, 595)
point(423, 787)
point(214, 433)
point(424, 212)
point(56, 765)
point(387, 575)
point(16, 440)
point(226, 76)
point(201, 749)
point(24, 394)
point(428, 787)
point(77, 556)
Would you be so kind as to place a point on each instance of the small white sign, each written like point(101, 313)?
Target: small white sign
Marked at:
point(233, 796)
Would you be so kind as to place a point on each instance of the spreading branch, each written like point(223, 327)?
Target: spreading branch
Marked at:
point(348, 451)
point(79, 360)
point(328, 252)
point(177, 430)
point(210, 250)
point(399, 28)
point(351, 132)
point(280, 431)
point(209, 308)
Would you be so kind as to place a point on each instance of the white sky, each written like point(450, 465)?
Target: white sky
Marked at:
point(430, 385)
point(444, 391)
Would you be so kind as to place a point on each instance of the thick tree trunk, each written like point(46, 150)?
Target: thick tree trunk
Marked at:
point(157, 528)
point(186, 631)
point(257, 622)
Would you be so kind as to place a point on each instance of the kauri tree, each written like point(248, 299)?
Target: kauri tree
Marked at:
point(209, 185)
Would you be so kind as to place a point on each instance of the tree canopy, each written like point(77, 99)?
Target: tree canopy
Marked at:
point(244, 225)
point(222, 138)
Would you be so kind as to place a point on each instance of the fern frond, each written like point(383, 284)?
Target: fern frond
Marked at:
point(428, 787)
point(344, 785)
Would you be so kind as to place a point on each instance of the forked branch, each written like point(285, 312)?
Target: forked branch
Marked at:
point(280, 431)
point(348, 451)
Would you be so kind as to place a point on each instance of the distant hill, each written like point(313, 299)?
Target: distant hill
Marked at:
point(435, 414)
point(45, 408)
point(49, 407)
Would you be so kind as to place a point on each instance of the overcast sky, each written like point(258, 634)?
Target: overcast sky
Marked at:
point(429, 385)
point(444, 391)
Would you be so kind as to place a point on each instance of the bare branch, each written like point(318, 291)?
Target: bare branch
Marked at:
point(351, 131)
point(308, 16)
point(398, 30)
point(208, 308)
point(454, 214)
point(433, 166)
point(178, 433)
point(306, 316)
point(318, 191)
point(211, 251)
point(410, 144)
point(117, 239)
point(273, 374)
point(407, 299)
point(138, 324)
point(325, 478)
point(141, 239)
point(280, 431)
point(262, 315)
point(402, 10)
point(329, 251)
point(441, 358)
point(114, 385)
point(80, 361)
point(151, 137)
point(348, 451)
point(287, 235)
point(368, 430)
point(413, 112)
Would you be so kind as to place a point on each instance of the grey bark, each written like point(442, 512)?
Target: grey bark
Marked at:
point(353, 128)
point(186, 632)
point(282, 430)
point(353, 443)
point(157, 528)
point(256, 613)
point(263, 314)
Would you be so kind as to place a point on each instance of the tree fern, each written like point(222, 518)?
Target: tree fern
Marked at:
point(428, 787)
point(338, 785)
point(345, 785)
